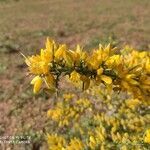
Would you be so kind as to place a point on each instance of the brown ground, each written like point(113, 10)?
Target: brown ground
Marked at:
point(24, 26)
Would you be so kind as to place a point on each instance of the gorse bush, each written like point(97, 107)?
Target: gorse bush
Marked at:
point(115, 115)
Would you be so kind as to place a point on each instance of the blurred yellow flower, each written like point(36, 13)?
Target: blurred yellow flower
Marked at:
point(55, 142)
point(133, 103)
point(147, 136)
point(60, 52)
point(74, 76)
point(75, 144)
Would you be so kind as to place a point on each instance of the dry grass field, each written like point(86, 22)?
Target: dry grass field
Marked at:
point(24, 26)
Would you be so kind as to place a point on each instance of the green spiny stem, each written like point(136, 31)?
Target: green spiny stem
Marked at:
point(60, 68)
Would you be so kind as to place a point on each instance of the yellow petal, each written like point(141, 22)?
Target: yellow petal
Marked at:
point(68, 58)
point(106, 79)
point(92, 139)
point(99, 71)
point(37, 82)
point(74, 76)
point(42, 53)
point(60, 52)
point(49, 80)
point(49, 44)
point(134, 82)
point(34, 79)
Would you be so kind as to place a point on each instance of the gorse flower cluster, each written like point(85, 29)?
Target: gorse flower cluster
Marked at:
point(114, 111)
point(124, 70)
point(64, 114)
point(100, 123)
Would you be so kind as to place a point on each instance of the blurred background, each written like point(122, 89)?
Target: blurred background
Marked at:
point(24, 27)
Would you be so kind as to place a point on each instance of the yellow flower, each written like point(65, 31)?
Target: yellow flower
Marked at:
point(147, 136)
point(55, 142)
point(94, 61)
point(38, 64)
point(131, 78)
point(85, 103)
point(124, 147)
point(75, 144)
point(68, 96)
point(37, 82)
point(100, 71)
point(74, 76)
point(80, 54)
point(55, 114)
point(59, 54)
point(132, 103)
point(69, 58)
point(114, 61)
point(50, 81)
point(147, 65)
point(49, 44)
point(92, 142)
point(106, 79)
